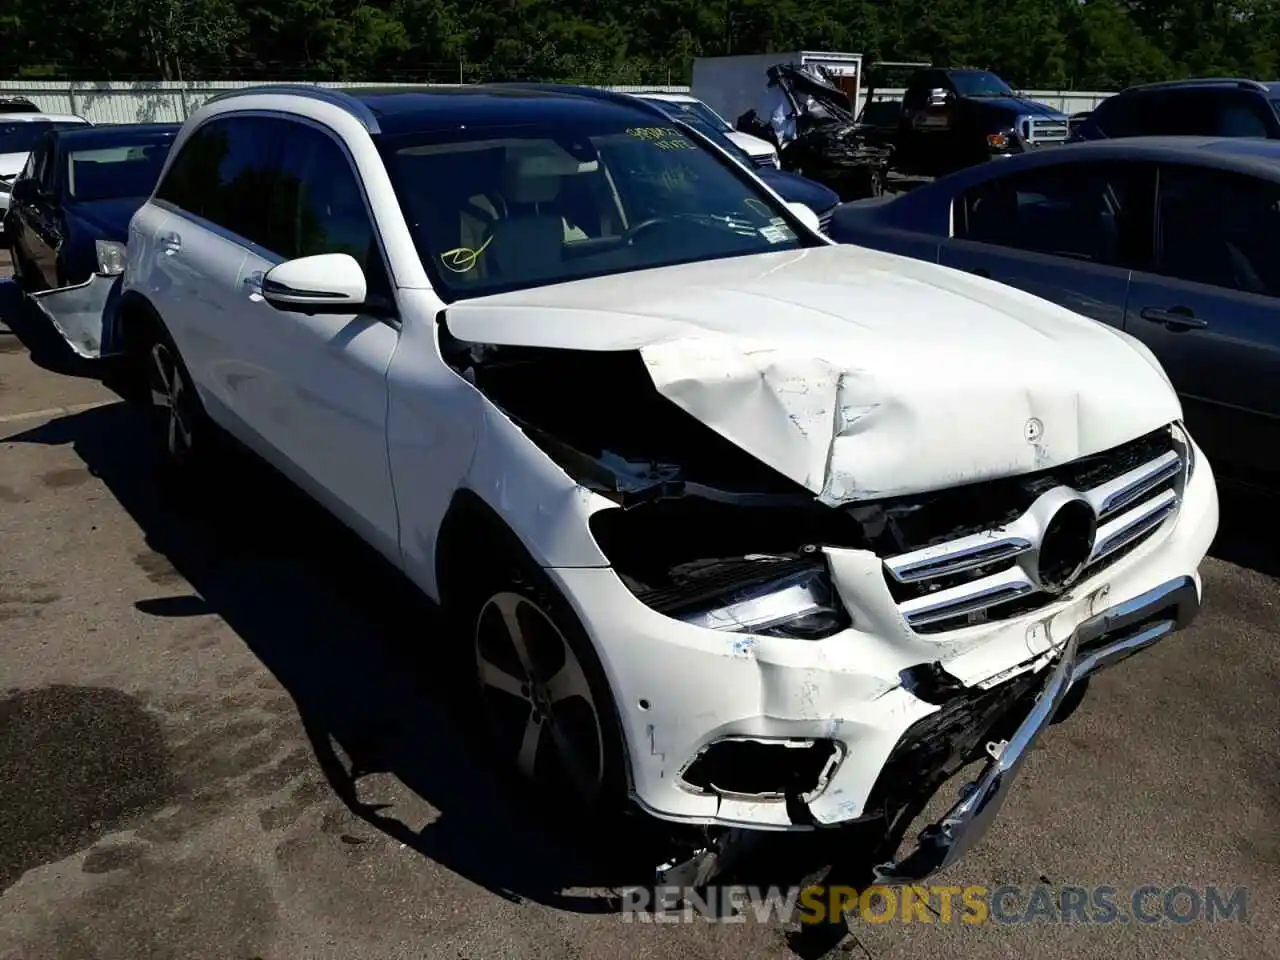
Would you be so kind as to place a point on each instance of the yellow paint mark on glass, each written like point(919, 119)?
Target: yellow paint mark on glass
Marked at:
point(463, 259)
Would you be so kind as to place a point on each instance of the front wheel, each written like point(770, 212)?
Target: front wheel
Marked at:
point(545, 702)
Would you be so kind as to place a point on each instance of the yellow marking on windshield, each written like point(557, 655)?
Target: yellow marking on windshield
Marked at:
point(463, 259)
point(664, 138)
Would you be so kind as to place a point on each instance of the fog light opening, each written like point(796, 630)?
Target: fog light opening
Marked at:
point(761, 769)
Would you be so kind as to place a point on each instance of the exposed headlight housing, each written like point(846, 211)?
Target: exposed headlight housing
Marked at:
point(801, 604)
point(111, 256)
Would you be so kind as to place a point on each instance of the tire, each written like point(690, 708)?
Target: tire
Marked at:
point(546, 708)
point(179, 423)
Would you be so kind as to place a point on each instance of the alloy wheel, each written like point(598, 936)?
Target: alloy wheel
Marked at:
point(538, 700)
point(170, 398)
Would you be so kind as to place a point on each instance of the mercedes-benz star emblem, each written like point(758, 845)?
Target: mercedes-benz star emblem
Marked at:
point(1066, 545)
point(1033, 430)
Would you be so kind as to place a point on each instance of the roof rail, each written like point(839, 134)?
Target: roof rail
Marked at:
point(635, 100)
point(339, 98)
point(1241, 83)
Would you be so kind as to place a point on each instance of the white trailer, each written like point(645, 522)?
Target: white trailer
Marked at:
point(733, 85)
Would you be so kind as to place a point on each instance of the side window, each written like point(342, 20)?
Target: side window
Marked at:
point(42, 162)
point(1236, 115)
point(1219, 228)
point(318, 206)
point(224, 174)
point(1094, 212)
point(1122, 115)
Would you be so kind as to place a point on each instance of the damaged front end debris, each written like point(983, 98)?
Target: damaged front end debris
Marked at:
point(84, 314)
point(830, 147)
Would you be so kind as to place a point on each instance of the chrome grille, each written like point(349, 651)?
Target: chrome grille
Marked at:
point(763, 160)
point(995, 572)
point(824, 221)
point(1047, 130)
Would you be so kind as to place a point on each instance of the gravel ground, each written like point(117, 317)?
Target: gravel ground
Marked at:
point(221, 736)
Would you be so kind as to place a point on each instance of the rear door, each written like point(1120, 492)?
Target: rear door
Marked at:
point(41, 230)
point(1210, 311)
point(1068, 233)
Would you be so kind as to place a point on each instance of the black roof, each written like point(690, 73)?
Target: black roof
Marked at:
point(395, 110)
point(121, 134)
point(409, 110)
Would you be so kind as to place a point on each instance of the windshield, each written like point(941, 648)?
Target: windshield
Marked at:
point(711, 131)
point(108, 172)
point(21, 136)
point(512, 207)
point(980, 83)
point(694, 110)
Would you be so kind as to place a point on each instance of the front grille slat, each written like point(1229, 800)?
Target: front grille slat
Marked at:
point(990, 572)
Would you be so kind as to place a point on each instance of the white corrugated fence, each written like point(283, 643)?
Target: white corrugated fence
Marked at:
point(161, 102)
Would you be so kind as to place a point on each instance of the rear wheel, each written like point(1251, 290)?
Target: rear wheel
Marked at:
point(162, 383)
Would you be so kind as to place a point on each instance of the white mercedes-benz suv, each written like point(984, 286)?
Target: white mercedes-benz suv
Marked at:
point(754, 531)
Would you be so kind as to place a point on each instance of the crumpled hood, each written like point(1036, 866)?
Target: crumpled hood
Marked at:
point(858, 374)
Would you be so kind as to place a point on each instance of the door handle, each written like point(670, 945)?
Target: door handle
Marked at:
point(1175, 318)
point(169, 242)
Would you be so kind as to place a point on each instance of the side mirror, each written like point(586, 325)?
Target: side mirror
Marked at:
point(326, 283)
point(25, 191)
point(805, 215)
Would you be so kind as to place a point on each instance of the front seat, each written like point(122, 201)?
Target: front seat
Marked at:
point(527, 243)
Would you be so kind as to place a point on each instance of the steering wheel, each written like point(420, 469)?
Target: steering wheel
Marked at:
point(635, 229)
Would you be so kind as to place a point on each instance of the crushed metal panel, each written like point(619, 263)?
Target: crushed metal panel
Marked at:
point(84, 315)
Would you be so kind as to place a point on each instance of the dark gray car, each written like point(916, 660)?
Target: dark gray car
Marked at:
point(1174, 240)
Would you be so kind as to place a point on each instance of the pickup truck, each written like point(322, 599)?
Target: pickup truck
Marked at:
point(950, 118)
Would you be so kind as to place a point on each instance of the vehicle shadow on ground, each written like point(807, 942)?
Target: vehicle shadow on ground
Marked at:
point(358, 649)
point(1248, 528)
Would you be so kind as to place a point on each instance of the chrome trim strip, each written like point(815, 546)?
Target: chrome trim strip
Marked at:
point(1118, 493)
point(955, 556)
point(1127, 527)
point(967, 597)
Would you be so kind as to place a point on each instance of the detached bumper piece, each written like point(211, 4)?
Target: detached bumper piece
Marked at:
point(84, 314)
point(1099, 642)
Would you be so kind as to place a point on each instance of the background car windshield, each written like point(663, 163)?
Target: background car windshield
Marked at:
point(696, 109)
point(107, 172)
point(980, 83)
point(502, 209)
point(21, 136)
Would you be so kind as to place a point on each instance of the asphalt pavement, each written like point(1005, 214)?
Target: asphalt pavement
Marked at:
point(225, 734)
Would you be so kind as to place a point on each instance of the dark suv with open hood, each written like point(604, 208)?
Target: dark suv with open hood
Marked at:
point(829, 146)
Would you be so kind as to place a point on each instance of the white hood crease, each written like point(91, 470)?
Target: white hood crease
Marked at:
point(856, 374)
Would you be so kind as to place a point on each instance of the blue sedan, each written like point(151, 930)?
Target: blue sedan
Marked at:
point(68, 221)
point(1172, 240)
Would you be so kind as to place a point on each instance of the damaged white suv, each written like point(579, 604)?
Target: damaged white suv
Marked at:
point(759, 532)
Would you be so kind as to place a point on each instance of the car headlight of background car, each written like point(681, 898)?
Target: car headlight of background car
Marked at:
point(111, 256)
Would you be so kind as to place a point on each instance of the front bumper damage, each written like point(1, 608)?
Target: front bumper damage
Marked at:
point(84, 314)
point(1099, 642)
point(1016, 712)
